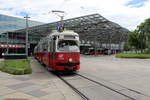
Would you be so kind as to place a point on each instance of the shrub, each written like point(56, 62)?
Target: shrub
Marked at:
point(133, 55)
point(16, 67)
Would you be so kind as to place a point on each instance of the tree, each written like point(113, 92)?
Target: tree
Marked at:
point(140, 38)
point(144, 30)
point(127, 46)
point(137, 40)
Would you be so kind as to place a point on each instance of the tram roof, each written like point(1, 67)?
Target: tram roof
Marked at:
point(65, 32)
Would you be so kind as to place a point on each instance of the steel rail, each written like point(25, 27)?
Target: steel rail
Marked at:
point(73, 88)
point(105, 86)
point(120, 86)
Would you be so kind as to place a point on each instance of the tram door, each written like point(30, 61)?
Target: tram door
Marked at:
point(53, 53)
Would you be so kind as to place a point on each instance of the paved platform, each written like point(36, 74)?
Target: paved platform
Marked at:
point(40, 85)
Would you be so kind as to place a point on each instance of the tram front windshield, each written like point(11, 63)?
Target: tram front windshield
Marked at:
point(68, 46)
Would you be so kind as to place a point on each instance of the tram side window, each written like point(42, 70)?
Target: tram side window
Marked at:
point(51, 46)
point(37, 49)
point(48, 46)
point(45, 48)
point(41, 48)
point(54, 45)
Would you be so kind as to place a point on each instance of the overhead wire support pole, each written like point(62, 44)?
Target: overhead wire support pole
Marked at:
point(7, 43)
point(60, 14)
point(95, 48)
point(26, 17)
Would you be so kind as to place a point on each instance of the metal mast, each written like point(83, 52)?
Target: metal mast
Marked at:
point(60, 14)
point(26, 17)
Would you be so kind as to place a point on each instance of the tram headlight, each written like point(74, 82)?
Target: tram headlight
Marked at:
point(77, 38)
point(70, 59)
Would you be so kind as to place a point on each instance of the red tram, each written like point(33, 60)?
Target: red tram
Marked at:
point(59, 51)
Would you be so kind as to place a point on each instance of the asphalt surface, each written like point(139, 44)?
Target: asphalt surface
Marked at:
point(123, 73)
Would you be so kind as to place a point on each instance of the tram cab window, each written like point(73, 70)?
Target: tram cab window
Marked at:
point(68, 46)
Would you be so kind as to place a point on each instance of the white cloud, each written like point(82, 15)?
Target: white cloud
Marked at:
point(114, 10)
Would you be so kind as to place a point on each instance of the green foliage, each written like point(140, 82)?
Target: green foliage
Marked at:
point(144, 29)
point(148, 50)
point(140, 38)
point(133, 55)
point(133, 39)
point(16, 67)
point(127, 46)
point(137, 40)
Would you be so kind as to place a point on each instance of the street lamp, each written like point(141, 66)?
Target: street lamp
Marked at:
point(26, 17)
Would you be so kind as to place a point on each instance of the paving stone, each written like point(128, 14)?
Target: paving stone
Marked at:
point(72, 77)
point(66, 91)
point(80, 82)
point(1, 86)
point(37, 93)
point(18, 95)
point(35, 98)
point(53, 96)
point(20, 85)
point(44, 82)
point(5, 91)
point(1, 98)
point(3, 74)
point(114, 86)
point(50, 89)
point(2, 77)
point(15, 99)
point(31, 88)
point(22, 78)
point(101, 93)
point(10, 82)
point(134, 95)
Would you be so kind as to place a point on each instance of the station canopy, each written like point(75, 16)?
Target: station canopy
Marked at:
point(88, 27)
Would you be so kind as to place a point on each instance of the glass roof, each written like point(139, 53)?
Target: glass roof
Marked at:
point(89, 25)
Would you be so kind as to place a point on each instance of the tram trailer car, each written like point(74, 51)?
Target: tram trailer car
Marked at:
point(59, 51)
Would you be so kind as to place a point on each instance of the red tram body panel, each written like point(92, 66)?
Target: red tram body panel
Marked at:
point(59, 51)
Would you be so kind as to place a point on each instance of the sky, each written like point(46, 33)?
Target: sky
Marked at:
point(127, 13)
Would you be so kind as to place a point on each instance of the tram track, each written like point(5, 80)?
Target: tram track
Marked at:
point(84, 97)
point(101, 84)
point(135, 91)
